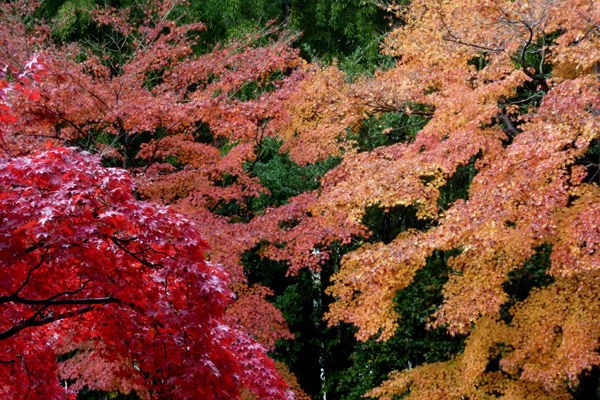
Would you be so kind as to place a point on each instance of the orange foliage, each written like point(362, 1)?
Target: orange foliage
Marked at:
point(320, 112)
point(258, 316)
point(528, 191)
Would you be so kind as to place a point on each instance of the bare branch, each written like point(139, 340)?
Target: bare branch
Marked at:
point(452, 37)
point(511, 130)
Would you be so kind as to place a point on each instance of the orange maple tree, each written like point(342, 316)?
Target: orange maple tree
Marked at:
point(466, 61)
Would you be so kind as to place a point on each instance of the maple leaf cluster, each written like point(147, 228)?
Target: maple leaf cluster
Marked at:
point(319, 114)
point(85, 262)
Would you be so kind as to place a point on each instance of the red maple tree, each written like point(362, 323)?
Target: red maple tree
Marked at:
point(86, 264)
point(150, 112)
point(118, 288)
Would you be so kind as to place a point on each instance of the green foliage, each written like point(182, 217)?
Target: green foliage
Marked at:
point(386, 224)
point(302, 301)
point(265, 271)
point(251, 90)
point(479, 62)
point(365, 59)
point(153, 78)
point(328, 359)
point(225, 145)
point(527, 98)
point(531, 275)
point(534, 55)
point(71, 18)
point(300, 309)
point(457, 186)
point(202, 133)
point(318, 352)
point(227, 19)
point(282, 177)
point(232, 209)
point(386, 129)
point(348, 31)
point(298, 298)
point(71, 21)
point(332, 28)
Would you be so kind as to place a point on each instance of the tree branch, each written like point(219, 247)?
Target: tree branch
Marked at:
point(147, 263)
point(34, 321)
point(26, 281)
point(60, 302)
point(511, 130)
point(451, 37)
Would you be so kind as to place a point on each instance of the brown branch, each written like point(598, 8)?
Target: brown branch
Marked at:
point(60, 115)
point(26, 368)
point(511, 130)
point(261, 126)
point(14, 60)
point(61, 302)
point(539, 78)
point(384, 107)
point(54, 300)
point(147, 263)
point(535, 77)
point(451, 37)
point(26, 281)
point(88, 91)
point(34, 321)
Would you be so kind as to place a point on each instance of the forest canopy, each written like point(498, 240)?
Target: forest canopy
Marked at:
point(278, 199)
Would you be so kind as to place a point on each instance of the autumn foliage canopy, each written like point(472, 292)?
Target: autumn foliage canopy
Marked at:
point(131, 277)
